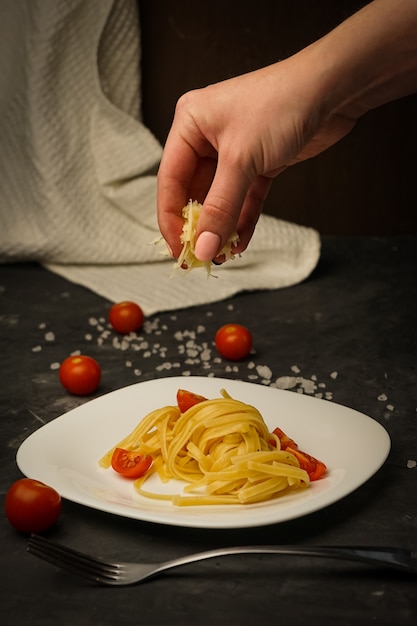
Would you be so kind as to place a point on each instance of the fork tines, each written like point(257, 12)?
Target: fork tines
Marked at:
point(73, 561)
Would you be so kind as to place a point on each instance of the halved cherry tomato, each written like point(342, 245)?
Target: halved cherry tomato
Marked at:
point(80, 374)
point(187, 399)
point(126, 317)
point(233, 341)
point(31, 506)
point(284, 439)
point(129, 463)
point(314, 468)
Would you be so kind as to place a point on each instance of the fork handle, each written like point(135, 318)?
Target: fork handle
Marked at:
point(389, 557)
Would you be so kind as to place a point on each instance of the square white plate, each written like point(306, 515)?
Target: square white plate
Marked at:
point(65, 452)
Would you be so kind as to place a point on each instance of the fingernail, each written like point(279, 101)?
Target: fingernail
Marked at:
point(207, 246)
point(219, 260)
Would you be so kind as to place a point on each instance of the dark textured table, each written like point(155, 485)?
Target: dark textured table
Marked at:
point(348, 334)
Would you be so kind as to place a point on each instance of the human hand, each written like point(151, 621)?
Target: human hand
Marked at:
point(229, 140)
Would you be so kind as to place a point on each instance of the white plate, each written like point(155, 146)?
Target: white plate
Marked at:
point(65, 452)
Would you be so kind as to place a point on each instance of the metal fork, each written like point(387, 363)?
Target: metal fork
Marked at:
point(122, 573)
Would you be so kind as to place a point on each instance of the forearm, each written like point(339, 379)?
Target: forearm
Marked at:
point(230, 139)
point(368, 60)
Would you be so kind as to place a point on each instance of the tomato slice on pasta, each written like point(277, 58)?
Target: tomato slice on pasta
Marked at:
point(187, 399)
point(314, 468)
point(129, 463)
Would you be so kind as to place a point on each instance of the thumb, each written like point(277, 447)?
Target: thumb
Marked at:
point(221, 211)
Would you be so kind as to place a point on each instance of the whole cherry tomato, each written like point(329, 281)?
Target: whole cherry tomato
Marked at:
point(129, 463)
point(187, 399)
point(233, 341)
point(31, 506)
point(80, 374)
point(126, 317)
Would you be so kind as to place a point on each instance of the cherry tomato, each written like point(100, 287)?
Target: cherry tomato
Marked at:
point(126, 317)
point(285, 441)
point(32, 506)
point(233, 341)
point(314, 468)
point(187, 399)
point(80, 374)
point(129, 463)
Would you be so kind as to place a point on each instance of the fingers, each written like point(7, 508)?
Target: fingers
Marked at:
point(231, 202)
point(208, 158)
point(176, 168)
point(234, 208)
point(251, 210)
point(221, 208)
point(186, 172)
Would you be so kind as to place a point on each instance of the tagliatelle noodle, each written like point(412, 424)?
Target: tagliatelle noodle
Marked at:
point(221, 448)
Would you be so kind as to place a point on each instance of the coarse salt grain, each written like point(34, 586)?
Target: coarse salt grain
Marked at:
point(264, 371)
point(286, 382)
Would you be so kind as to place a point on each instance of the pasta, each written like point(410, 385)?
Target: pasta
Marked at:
point(220, 448)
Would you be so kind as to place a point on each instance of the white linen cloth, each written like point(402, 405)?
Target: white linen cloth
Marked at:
point(78, 166)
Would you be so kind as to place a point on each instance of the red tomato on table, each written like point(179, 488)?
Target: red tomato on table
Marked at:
point(233, 341)
point(129, 463)
point(126, 317)
point(31, 506)
point(80, 374)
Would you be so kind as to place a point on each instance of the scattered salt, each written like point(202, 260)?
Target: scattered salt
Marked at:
point(264, 371)
point(193, 348)
point(308, 386)
point(286, 382)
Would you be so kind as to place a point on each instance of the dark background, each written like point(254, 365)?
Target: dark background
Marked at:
point(366, 184)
